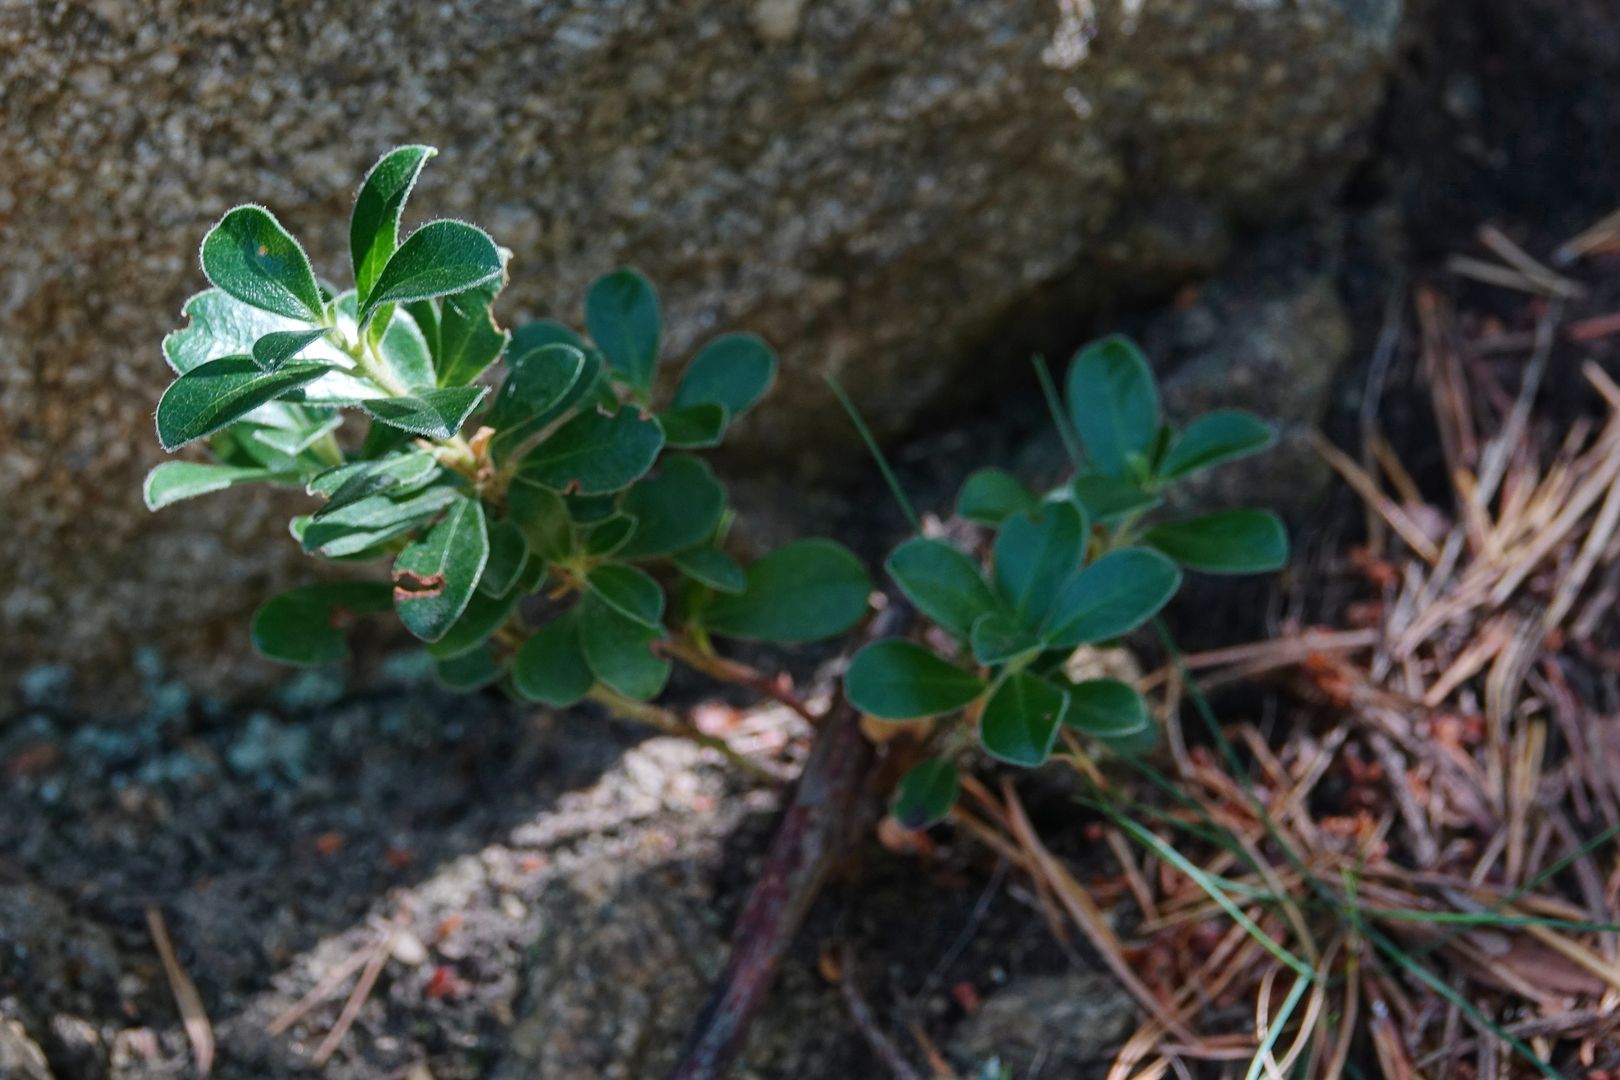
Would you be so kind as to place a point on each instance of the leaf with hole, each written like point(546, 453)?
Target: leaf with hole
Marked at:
point(1035, 554)
point(712, 567)
point(998, 638)
point(251, 257)
point(209, 397)
point(300, 625)
point(440, 258)
point(619, 650)
point(1020, 722)
point(1215, 439)
point(990, 496)
point(901, 680)
point(925, 794)
point(942, 583)
point(437, 573)
point(1114, 403)
point(1111, 597)
point(1228, 542)
point(622, 314)
point(173, 481)
point(594, 454)
point(630, 592)
point(432, 412)
point(1106, 707)
point(677, 507)
point(803, 591)
point(550, 666)
point(733, 371)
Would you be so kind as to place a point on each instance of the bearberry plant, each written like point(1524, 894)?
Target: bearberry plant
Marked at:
point(554, 531)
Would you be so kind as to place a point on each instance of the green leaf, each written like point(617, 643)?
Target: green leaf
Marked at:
point(543, 517)
point(508, 555)
point(926, 794)
point(279, 346)
point(289, 430)
point(374, 224)
point(998, 638)
point(403, 348)
point(1111, 597)
point(990, 496)
point(630, 592)
point(694, 427)
point(425, 314)
point(436, 413)
point(607, 536)
point(1107, 500)
point(619, 651)
point(676, 508)
point(1214, 439)
point(209, 397)
point(942, 583)
point(1107, 708)
point(550, 666)
point(541, 381)
point(1114, 403)
point(436, 575)
point(221, 325)
point(440, 258)
point(621, 312)
point(173, 481)
point(1229, 542)
point(712, 567)
point(1020, 722)
point(1035, 554)
point(733, 371)
point(594, 453)
point(469, 340)
point(484, 615)
point(251, 257)
point(299, 626)
point(469, 670)
point(397, 475)
point(1144, 740)
point(901, 680)
point(533, 335)
point(802, 591)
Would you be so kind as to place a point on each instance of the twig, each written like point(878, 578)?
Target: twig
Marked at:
point(738, 674)
point(199, 1032)
point(867, 1024)
point(362, 990)
point(669, 723)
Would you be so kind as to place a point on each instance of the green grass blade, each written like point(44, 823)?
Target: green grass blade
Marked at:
point(877, 454)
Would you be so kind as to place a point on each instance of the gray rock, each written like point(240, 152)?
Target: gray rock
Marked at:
point(20, 1056)
point(75, 1048)
point(1062, 1025)
point(868, 185)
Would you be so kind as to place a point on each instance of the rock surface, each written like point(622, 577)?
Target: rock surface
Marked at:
point(870, 186)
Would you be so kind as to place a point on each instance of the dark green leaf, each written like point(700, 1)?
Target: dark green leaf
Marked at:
point(998, 638)
point(1134, 744)
point(543, 517)
point(403, 349)
point(374, 225)
point(711, 567)
point(802, 591)
point(249, 255)
point(926, 794)
point(508, 555)
point(469, 670)
point(1213, 439)
point(676, 508)
point(398, 475)
point(1111, 597)
point(425, 314)
point(280, 346)
point(900, 680)
point(591, 509)
point(437, 574)
point(173, 481)
point(621, 312)
point(550, 667)
point(733, 371)
point(1107, 500)
point(1114, 403)
point(609, 535)
point(694, 427)
point(440, 258)
point(1229, 542)
point(942, 583)
point(594, 453)
point(1034, 555)
point(300, 626)
point(436, 413)
point(1106, 707)
point(221, 325)
point(484, 615)
point(209, 397)
point(619, 650)
point(546, 332)
point(630, 592)
point(1020, 722)
point(469, 340)
point(541, 382)
point(990, 496)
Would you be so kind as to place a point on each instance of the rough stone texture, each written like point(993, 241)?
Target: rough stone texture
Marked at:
point(20, 1056)
point(869, 185)
point(1054, 1025)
